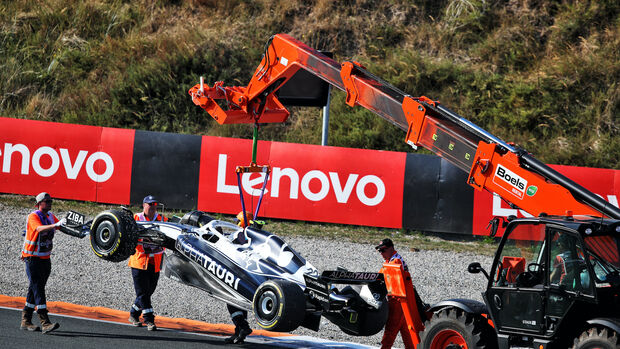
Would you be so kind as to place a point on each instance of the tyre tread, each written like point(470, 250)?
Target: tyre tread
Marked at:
point(472, 326)
point(597, 337)
point(128, 242)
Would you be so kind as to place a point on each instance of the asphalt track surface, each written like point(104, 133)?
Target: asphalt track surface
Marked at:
point(88, 333)
point(80, 332)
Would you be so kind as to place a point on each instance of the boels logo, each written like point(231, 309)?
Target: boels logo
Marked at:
point(512, 182)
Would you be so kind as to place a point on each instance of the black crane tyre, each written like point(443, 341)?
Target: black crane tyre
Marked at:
point(453, 328)
point(603, 338)
point(279, 305)
point(114, 235)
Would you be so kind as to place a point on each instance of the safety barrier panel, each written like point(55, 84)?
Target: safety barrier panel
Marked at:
point(308, 182)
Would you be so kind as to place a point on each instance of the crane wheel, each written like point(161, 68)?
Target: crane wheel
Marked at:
point(603, 338)
point(454, 329)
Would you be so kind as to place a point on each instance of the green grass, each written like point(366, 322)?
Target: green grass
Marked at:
point(283, 228)
point(541, 74)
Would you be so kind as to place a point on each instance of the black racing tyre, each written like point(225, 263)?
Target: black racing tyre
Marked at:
point(592, 338)
point(114, 235)
point(454, 329)
point(279, 305)
point(370, 322)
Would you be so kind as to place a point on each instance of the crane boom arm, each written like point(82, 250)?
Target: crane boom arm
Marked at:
point(491, 163)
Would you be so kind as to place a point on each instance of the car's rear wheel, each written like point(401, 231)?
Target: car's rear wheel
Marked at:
point(114, 235)
point(279, 305)
point(367, 321)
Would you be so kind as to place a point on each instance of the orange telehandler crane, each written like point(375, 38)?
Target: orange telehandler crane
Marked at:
point(555, 279)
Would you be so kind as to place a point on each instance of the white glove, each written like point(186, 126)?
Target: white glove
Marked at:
point(60, 222)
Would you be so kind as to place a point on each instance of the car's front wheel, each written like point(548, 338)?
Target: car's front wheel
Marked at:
point(114, 235)
point(279, 305)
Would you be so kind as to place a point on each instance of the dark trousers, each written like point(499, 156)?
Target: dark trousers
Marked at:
point(238, 316)
point(145, 283)
point(38, 271)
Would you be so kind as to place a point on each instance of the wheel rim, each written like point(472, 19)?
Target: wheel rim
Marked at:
point(449, 339)
point(268, 305)
point(105, 236)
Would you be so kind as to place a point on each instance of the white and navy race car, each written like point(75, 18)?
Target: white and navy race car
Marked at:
point(249, 268)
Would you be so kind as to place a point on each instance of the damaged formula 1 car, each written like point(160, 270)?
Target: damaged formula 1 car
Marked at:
point(249, 268)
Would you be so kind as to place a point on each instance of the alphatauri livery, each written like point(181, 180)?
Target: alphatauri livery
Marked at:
point(249, 268)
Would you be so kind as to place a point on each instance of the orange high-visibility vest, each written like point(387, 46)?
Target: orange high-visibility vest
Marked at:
point(147, 253)
point(38, 244)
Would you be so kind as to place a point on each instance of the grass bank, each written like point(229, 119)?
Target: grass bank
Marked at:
point(541, 74)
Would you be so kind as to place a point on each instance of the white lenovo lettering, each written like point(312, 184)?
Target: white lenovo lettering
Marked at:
point(325, 184)
point(305, 185)
point(292, 175)
point(342, 195)
point(36, 161)
point(247, 183)
point(99, 165)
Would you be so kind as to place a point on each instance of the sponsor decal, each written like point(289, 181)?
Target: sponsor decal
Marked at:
point(75, 218)
point(352, 275)
point(531, 190)
point(208, 263)
point(46, 161)
point(510, 181)
point(74, 161)
point(307, 182)
point(327, 182)
point(529, 322)
point(374, 301)
point(602, 182)
point(318, 296)
point(318, 286)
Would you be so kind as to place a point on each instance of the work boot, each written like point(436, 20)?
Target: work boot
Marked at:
point(46, 324)
point(27, 321)
point(232, 338)
point(244, 332)
point(150, 323)
point(135, 321)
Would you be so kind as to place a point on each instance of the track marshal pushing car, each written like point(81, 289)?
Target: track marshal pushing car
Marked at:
point(145, 267)
point(36, 252)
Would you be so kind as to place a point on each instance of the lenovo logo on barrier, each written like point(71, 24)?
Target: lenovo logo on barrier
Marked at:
point(301, 182)
point(46, 162)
